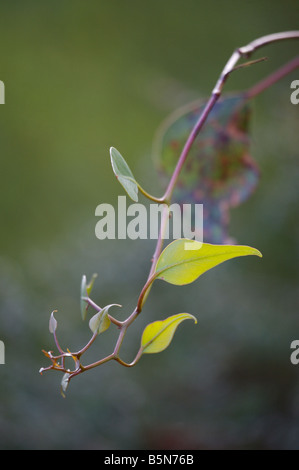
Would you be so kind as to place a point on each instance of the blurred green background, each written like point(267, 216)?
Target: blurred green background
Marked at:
point(80, 77)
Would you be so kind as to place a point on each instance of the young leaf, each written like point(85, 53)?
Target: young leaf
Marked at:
point(83, 304)
point(52, 322)
point(64, 383)
point(158, 335)
point(85, 292)
point(179, 266)
point(89, 286)
point(124, 174)
point(100, 321)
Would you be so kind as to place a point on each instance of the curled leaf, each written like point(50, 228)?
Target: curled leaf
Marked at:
point(179, 266)
point(83, 293)
point(158, 335)
point(124, 174)
point(52, 323)
point(64, 383)
point(89, 286)
point(100, 321)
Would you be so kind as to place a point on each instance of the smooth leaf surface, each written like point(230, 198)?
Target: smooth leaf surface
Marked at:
point(89, 286)
point(52, 322)
point(65, 383)
point(124, 174)
point(100, 321)
point(158, 335)
point(179, 266)
point(83, 293)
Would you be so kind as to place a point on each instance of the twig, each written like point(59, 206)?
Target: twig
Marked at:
point(230, 66)
point(273, 78)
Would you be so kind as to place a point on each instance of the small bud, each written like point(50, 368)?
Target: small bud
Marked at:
point(52, 323)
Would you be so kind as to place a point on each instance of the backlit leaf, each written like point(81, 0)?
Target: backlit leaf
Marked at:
point(124, 174)
point(89, 286)
point(219, 171)
point(52, 322)
point(158, 335)
point(100, 321)
point(179, 266)
point(64, 383)
point(83, 303)
point(85, 292)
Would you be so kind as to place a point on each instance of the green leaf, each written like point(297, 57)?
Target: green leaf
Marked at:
point(158, 335)
point(124, 174)
point(91, 283)
point(65, 383)
point(100, 321)
point(183, 261)
point(84, 293)
point(52, 323)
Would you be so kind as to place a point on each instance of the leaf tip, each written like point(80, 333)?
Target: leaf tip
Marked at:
point(256, 252)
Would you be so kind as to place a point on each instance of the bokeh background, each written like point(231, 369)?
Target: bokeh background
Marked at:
point(80, 77)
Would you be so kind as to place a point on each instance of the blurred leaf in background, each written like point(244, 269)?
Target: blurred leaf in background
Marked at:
point(220, 172)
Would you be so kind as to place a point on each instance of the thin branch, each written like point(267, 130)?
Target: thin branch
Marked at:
point(79, 353)
point(92, 304)
point(57, 343)
point(249, 63)
point(230, 66)
point(202, 119)
point(273, 78)
point(244, 51)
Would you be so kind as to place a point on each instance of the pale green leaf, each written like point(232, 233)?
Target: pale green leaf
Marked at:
point(65, 383)
point(158, 335)
point(100, 321)
point(52, 323)
point(179, 264)
point(89, 286)
point(124, 174)
point(84, 294)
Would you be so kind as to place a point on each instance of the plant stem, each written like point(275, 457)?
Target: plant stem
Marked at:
point(95, 364)
point(245, 51)
point(230, 66)
point(212, 100)
point(79, 353)
point(272, 78)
